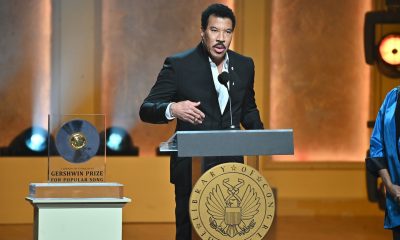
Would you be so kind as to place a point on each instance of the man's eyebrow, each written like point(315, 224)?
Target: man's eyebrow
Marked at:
point(227, 29)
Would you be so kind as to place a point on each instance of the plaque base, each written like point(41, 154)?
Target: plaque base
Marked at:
point(75, 190)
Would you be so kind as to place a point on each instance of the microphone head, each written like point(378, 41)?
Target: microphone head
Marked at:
point(223, 78)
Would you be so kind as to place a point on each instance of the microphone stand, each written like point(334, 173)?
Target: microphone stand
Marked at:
point(230, 106)
point(223, 78)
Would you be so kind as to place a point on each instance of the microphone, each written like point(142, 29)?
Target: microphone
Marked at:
point(223, 78)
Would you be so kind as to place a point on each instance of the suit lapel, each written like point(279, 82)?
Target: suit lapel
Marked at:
point(234, 77)
point(208, 78)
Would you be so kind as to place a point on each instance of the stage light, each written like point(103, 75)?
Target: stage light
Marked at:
point(32, 141)
point(389, 48)
point(117, 142)
point(385, 54)
point(114, 141)
point(37, 141)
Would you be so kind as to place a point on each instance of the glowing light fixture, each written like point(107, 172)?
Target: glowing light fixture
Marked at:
point(117, 142)
point(389, 49)
point(37, 141)
point(114, 141)
point(386, 54)
point(32, 141)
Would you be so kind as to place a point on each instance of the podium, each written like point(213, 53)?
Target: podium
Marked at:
point(200, 144)
point(78, 211)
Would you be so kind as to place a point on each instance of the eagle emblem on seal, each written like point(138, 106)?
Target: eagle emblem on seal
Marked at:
point(232, 214)
point(231, 201)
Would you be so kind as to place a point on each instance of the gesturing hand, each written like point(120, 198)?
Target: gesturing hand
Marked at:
point(187, 111)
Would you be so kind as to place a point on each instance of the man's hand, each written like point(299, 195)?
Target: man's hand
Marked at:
point(187, 111)
point(394, 190)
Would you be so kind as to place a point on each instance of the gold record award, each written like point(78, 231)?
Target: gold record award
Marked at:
point(78, 152)
point(232, 201)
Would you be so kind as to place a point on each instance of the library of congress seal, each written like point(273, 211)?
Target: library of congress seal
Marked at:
point(232, 201)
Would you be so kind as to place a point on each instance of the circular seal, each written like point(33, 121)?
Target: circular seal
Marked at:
point(232, 200)
point(77, 141)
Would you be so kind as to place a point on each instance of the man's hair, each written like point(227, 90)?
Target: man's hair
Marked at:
point(218, 10)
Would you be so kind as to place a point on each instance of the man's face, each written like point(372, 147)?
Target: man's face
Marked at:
point(217, 37)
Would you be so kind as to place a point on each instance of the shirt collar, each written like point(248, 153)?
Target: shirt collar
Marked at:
point(225, 64)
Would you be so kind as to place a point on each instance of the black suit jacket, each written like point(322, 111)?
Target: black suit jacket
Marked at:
point(187, 76)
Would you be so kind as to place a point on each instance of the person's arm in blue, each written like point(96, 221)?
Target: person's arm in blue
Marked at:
point(377, 162)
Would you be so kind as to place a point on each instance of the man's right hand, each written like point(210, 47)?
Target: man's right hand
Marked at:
point(394, 190)
point(391, 188)
point(187, 111)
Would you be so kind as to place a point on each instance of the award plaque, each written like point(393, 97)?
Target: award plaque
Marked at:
point(76, 148)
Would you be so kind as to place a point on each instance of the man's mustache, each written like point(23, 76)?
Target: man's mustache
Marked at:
point(219, 44)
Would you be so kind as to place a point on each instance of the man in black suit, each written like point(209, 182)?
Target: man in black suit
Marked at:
point(187, 88)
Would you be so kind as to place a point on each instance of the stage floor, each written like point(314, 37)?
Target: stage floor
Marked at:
point(287, 227)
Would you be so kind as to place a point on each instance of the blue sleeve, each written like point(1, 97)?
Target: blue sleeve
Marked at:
point(377, 137)
point(377, 159)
